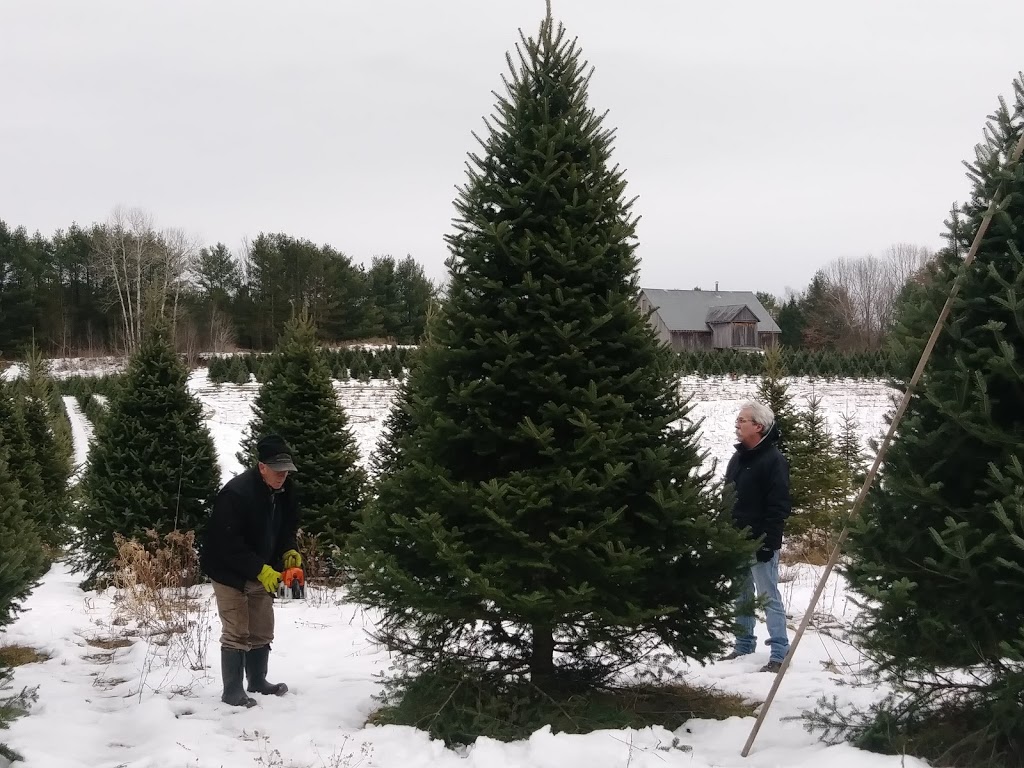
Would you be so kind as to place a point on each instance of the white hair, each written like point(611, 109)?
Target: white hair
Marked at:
point(759, 414)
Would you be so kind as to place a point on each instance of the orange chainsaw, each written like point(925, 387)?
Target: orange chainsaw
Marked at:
point(292, 585)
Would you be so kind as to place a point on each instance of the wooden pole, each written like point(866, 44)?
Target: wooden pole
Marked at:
point(870, 479)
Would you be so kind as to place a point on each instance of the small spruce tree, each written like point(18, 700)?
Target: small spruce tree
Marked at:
point(821, 490)
point(297, 400)
point(21, 455)
point(851, 452)
point(152, 463)
point(773, 391)
point(50, 449)
point(22, 561)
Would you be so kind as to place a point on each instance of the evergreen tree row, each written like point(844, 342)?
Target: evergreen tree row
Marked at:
point(152, 464)
point(798, 362)
point(346, 363)
point(83, 387)
point(35, 464)
point(63, 291)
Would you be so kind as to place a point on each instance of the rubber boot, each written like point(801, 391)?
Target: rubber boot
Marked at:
point(232, 666)
point(256, 671)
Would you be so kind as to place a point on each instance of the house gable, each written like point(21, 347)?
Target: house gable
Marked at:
point(730, 313)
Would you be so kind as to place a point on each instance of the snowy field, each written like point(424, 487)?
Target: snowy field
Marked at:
point(111, 699)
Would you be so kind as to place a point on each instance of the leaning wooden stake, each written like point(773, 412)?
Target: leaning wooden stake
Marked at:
point(870, 479)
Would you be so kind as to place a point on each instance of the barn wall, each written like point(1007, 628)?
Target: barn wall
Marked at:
point(690, 340)
point(721, 335)
point(655, 320)
point(744, 334)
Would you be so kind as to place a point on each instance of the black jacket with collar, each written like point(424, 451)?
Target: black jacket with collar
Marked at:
point(251, 526)
point(760, 476)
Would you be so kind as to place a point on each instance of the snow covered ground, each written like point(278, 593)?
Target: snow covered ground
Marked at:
point(112, 699)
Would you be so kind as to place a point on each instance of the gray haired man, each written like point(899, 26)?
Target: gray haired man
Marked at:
point(760, 475)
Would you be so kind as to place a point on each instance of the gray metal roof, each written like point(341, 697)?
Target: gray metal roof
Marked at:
point(728, 313)
point(688, 310)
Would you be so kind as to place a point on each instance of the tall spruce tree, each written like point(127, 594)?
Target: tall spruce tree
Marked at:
point(938, 555)
point(297, 401)
point(547, 514)
point(152, 463)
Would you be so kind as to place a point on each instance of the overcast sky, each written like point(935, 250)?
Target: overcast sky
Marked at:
point(763, 139)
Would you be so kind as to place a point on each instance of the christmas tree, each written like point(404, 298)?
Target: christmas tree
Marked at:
point(820, 485)
point(50, 451)
point(773, 391)
point(297, 401)
point(938, 555)
point(22, 561)
point(386, 456)
point(21, 456)
point(546, 514)
point(152, 464)
point(851, 453)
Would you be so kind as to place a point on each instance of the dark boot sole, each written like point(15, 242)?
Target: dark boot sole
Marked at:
point(280, 689)
point(247, 703)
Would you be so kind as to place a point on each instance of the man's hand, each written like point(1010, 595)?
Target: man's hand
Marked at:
point(269, 578)
point(292, 559)
point(765, 553)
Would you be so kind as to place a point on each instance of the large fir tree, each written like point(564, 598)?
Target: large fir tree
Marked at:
point(297, 400)
point(939, 553)
point(546, 512)
point(152, 463)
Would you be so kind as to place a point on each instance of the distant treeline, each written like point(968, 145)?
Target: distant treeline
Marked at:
point(796, 362)
point(345, 363)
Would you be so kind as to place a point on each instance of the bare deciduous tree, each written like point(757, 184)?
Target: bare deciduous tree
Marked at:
point(872, 286)
point(145, 268)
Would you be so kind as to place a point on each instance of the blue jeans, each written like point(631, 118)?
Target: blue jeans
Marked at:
point(764, 578)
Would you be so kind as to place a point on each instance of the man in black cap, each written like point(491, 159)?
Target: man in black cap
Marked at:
point(250, 538)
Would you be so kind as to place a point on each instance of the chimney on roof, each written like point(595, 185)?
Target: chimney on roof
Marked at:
point(716, 286)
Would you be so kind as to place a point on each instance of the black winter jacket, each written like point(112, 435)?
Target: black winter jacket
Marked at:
point(251, 526)
point(760, 476)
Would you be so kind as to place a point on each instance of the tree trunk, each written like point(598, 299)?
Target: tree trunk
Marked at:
point(542, 661)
